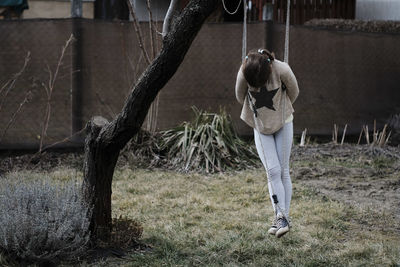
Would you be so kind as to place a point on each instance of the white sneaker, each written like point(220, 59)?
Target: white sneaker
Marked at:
point(272, 230)
point(282, 226)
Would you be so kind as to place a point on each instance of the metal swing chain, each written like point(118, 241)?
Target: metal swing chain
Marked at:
point(234, 12)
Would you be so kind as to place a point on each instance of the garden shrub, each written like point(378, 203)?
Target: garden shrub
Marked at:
point(42, 221)
point(208, 143)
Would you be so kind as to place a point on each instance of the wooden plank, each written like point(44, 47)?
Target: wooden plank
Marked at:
point(308, 10)
point(283, 11)
point(347, 10)
point(300, 8)
point(312, 9)
point(318, 9)
point(280, 2)
point(275, 14)
point(330, 8)
point(333, 9)
point(313, 14)
point(325, 9)
point(352, 11)
point(292, 14)
point(343, 9)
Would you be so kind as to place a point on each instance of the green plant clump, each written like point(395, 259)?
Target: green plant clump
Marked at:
point(208, 143)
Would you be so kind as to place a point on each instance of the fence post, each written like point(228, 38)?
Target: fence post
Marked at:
point(76, 70)
point(76, 8)
point(269, 34)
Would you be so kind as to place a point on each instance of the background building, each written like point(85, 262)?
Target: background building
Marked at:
point(378, 10)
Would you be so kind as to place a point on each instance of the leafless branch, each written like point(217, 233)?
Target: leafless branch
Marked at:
point(28, 97)
point(153, 48)
point(359, 138)
point(303, 137)
point(56, 143)
point(153, 111)
point(380, 139)
point(344, 134)
point(111, 113)
point(137, 30)
point(335, 133)
point(366, 134)
point(64, 140)
point(49, 88)
point(387, 138)
point(11, 83)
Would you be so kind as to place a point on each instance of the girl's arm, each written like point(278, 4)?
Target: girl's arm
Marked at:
point(288, 78)
point(241, 87)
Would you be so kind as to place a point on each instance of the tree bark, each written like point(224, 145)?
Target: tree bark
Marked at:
point(172, 11)
point(105, 140)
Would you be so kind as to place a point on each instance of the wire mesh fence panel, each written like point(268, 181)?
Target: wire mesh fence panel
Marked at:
point(344, 78)
point(44, 40)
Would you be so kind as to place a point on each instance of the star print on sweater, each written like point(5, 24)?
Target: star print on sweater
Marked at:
point(264, 98)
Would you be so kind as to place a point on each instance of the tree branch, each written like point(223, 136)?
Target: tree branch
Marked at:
point(11, 83)
point(172, 10)
point(152, 42)
point(137, 30)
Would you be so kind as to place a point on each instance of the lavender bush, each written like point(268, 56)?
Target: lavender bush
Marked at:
point(42, 221)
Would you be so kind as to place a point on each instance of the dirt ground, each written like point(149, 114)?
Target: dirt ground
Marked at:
point(358, 175)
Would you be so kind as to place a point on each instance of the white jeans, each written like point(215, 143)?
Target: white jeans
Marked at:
point(275, 150)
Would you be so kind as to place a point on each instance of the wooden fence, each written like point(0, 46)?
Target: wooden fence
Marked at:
point(300, 10)
point(304, 10)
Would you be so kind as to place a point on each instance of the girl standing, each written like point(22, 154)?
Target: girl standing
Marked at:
point(267, 88)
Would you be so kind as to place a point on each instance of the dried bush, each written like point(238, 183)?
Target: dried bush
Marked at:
point(144, 150)
point(42, 221)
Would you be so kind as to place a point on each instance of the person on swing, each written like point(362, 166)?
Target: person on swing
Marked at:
point(267, 88)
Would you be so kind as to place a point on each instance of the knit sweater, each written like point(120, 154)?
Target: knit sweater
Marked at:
point(269, 100)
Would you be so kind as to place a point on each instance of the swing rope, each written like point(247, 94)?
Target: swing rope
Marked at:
point(244, 37)
point(286, 55)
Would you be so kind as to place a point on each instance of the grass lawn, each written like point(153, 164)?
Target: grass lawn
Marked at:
point(222, 219)
point(192, 219)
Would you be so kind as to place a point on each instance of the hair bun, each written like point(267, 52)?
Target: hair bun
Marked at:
point(271, 56)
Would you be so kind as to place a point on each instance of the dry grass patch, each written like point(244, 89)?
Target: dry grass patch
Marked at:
point(222, 219)
point(191, 219)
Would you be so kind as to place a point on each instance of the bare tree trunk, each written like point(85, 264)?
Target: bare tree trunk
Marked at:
point(105, 140)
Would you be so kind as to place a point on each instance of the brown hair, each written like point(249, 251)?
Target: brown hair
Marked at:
point(257, 67)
